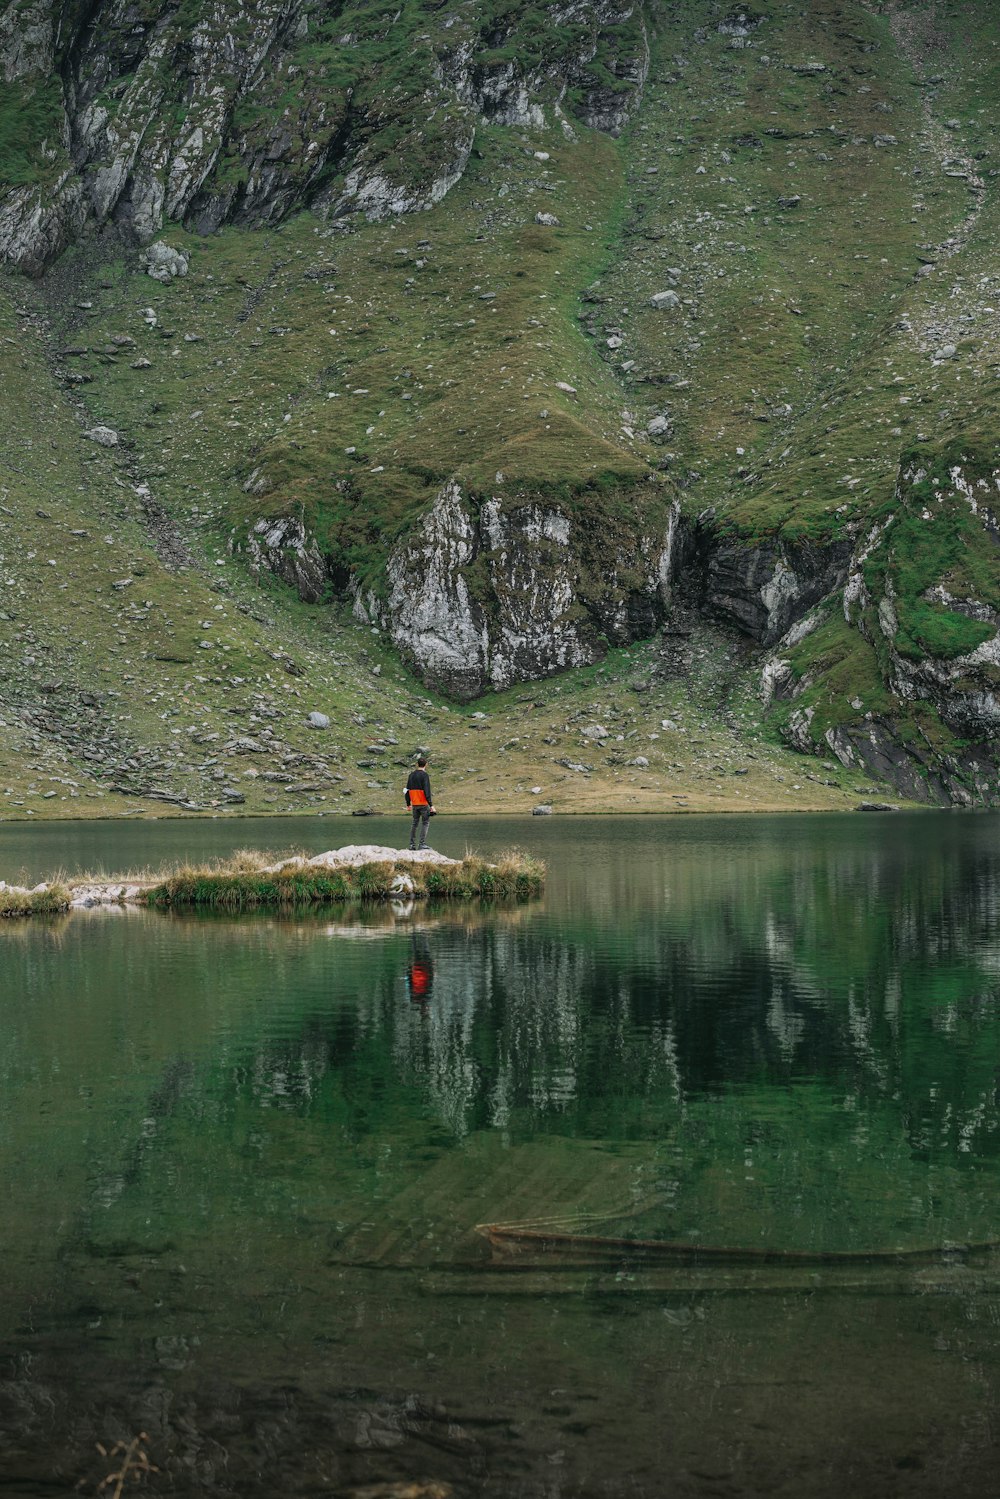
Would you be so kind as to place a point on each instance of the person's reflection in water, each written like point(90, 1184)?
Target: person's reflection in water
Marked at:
point(420, 974)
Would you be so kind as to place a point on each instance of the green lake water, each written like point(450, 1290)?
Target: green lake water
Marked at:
point(243, 1161)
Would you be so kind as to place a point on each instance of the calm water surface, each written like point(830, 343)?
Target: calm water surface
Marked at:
point(242, 1164)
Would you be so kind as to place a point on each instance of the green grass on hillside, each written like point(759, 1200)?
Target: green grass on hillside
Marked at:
point(31, 133)
point(340, 373)
point(343, 381)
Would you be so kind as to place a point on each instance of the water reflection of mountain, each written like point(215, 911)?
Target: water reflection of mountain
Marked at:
point(869, 969)
point(788, 1003)
point(244, 1161)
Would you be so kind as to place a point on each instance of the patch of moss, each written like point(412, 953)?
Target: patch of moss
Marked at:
point(31, 130)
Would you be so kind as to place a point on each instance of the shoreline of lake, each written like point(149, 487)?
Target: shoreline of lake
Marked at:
point(708, 809)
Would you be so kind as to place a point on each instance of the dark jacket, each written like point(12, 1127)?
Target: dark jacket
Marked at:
point(419, 780)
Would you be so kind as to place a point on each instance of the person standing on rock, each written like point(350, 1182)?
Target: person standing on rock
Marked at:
point(419, 801)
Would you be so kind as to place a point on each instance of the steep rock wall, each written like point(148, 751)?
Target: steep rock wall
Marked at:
point(763, 588)
point(223, 111)
point(479, 596)
point(922, 594)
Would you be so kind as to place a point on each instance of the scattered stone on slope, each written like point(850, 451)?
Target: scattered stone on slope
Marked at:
point(163, 262)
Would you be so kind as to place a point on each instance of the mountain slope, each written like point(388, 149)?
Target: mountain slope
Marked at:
point(524, 334)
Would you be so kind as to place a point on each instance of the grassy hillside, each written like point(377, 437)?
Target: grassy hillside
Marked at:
point(819, 194)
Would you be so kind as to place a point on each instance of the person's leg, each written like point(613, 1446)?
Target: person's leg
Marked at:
point(415, 818)
point(424, 824)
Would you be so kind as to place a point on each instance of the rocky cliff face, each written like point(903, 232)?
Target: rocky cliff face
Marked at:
point(918, 593)
point(480, 596)
point(226, 112)
point(764, 589)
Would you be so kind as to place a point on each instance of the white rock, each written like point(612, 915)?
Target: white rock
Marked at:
point(368, 853)
point(106, 436)
point(663, 299)
point(163, 262)
point(548, 219)
point(430, 611)
point(318, 721)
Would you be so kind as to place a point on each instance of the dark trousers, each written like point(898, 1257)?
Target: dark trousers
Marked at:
point(421, 816)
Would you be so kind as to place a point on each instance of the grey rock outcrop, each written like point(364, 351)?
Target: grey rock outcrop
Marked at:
point(533, 95)
point(962, 687)
point(163, 262)
point(764, 588)
point(959, 686)
point(105, 437)
point(25, 39)
point(281, 546)
point(373, 187)
point(480, 600)
point(186, 114)
point(36, 226)
point(480, 595)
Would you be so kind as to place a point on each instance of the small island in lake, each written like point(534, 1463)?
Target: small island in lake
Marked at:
point(250, 879)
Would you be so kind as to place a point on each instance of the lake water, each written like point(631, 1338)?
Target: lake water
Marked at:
point(243, 1161)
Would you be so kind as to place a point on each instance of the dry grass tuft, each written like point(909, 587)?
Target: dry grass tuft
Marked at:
point(47, 902)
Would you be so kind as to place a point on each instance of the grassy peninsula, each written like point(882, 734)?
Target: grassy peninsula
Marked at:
point(250, 880)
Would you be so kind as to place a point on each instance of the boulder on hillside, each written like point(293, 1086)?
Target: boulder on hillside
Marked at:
point(163, 262)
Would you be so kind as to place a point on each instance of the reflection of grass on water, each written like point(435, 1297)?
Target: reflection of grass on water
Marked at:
point(368, 918)
point(246, 882)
